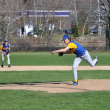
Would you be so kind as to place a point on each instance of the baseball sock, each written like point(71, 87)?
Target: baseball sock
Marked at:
point(76, 80)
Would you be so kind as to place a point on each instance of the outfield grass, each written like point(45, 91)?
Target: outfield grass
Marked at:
point(31, 100)
point(45, 58)
point(9, 77)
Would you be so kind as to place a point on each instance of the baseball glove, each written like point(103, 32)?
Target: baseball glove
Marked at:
point(60, 53)
point(8, 52)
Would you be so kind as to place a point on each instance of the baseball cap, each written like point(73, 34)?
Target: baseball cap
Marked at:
point(5, 40)
point(65, 37)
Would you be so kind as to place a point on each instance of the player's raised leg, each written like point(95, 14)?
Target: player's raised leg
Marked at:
point(88, 59)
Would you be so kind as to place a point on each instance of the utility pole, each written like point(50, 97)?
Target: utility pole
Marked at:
point(108, 28)
point(99, 27)
point(107, 10)
point(108, 32)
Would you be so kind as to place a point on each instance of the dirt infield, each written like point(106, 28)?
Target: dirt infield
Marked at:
point(63, 87)
point(52, 68)
point(59, 87)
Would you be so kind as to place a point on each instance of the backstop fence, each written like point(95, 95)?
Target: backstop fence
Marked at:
point(40, 44)
point(90, 46)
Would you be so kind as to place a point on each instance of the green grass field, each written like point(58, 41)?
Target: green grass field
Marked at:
point(32, 100)
point(45, 58)
point(13, 77)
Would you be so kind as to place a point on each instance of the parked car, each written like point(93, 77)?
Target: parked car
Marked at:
point(68, 31)
point(32, 33)
point(94, 30)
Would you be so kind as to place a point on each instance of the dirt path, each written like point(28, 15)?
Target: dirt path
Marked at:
point(52, 68)
point(63, 87)
point(59, 87)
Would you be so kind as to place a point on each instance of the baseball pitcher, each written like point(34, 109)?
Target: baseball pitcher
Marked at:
point(81, 54)
point(5, 50)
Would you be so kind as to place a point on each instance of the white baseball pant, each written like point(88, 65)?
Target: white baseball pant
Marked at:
point(77, 61)
point(8, 58)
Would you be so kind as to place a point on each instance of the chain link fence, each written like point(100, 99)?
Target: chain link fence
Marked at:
point(38, 44)
point(90, 46)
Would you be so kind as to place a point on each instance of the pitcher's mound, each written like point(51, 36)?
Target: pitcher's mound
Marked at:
point(63, 87)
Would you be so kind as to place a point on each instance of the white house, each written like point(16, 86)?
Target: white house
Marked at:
point(23, 31)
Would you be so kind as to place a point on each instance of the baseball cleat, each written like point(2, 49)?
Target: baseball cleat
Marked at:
point(75, 83)
point(2, 65)
point(96, 59)
point(9, 65)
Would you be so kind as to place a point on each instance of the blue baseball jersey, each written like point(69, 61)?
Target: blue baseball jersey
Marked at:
point(76, 48)
point(4, 47)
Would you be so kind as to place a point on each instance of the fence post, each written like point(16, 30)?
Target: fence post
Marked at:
point(43, 46)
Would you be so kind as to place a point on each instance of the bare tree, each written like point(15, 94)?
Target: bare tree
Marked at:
point(9, 13)
point(46, 6)
point(86, 19)
point(106, 7)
